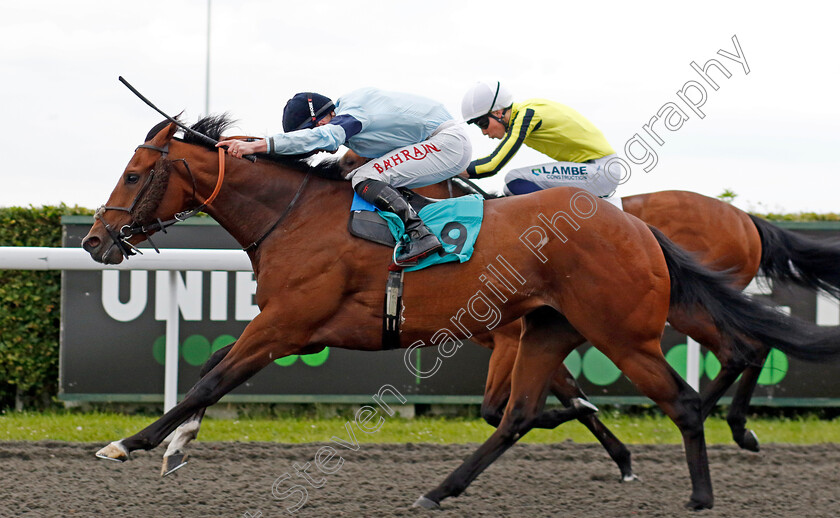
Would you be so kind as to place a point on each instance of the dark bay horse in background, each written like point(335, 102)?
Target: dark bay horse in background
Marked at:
point(609, 279)
point(723, 238)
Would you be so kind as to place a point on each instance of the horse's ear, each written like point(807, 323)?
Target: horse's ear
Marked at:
point(164, 135)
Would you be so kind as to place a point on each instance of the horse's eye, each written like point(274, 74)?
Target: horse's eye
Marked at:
point(132, 178)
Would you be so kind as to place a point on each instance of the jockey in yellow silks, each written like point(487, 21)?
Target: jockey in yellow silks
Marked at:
point(580, 150)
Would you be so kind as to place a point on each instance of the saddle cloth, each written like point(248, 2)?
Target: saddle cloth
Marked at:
point(455, 221)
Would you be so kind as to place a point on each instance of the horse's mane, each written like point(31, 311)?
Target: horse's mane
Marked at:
point(214, 126)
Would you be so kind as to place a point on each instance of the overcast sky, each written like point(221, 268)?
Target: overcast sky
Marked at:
point(772, 136)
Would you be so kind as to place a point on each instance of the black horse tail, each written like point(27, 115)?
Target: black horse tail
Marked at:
point(787, 256)
point(739, 318)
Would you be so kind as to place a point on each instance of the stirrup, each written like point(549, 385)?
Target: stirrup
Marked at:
point(415, 260)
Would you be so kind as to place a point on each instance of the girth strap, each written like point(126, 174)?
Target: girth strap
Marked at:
point(393, 310)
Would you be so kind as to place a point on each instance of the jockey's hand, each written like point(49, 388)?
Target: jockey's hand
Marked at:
point(464, 175)
point(239, 148)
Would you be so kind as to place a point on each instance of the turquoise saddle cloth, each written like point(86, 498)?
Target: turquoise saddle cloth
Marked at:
point(456, 222)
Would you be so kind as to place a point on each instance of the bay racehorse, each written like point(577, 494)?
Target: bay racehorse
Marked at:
point(723, 238)
point(576, 270)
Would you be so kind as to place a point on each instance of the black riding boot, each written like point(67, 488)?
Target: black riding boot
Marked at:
point(421, 241)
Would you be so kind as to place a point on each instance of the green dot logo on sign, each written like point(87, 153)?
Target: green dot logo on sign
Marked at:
point(221, 342)
point(573, 363)
point(598, 369)
point(195, 350)
point(287, 360)
point(774, 369)
point(712, 366)
point(317, 359)
point(159, 350)
point(677, 358)
point(312, 360)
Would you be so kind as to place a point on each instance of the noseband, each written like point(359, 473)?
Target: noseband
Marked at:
point(120, 238)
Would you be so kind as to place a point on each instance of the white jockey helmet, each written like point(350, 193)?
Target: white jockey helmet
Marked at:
point(484, 98)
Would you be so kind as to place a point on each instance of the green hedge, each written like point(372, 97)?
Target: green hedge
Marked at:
point(801, 216)
point(30, 310)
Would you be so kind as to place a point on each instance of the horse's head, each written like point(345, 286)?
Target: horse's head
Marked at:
point(143, 197)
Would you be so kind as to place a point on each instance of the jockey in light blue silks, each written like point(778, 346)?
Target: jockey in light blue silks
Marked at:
point(411, 141)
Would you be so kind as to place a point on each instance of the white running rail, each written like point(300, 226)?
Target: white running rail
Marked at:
point(172, 260)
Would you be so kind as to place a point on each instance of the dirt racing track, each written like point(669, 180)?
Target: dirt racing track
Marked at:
point(229, 479)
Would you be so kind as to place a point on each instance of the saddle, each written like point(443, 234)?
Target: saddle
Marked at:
point(456, 222)
point(369, 225)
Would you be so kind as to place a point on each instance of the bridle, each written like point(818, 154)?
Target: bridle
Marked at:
point(126, 232)
point(120, 238)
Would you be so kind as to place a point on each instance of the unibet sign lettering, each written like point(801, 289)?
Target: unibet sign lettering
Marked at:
point(190, 290)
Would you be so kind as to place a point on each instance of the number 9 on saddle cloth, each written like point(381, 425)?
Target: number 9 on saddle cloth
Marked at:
point(455, 221)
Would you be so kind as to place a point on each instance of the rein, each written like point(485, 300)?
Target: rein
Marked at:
point(469, 187)
point(125, 233)
point(255, 244)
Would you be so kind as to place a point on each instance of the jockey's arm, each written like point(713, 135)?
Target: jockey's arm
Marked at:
point(521, 125)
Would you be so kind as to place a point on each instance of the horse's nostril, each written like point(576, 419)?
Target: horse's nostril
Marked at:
point(91, 243)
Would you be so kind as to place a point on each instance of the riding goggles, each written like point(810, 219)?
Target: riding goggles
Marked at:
point(483, 122)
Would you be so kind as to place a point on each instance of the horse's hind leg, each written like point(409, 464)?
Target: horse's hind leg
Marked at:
point(175, 458)
point(737, 416)
point(648, 370)
point(567, 391)
point(537, 360)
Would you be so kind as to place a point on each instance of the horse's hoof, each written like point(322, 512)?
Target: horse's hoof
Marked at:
point(114, 451)
point(172, 463)
point(584, 405)
point(698, 505)
point(426, 503)
point(749, 441)
point(630, 478)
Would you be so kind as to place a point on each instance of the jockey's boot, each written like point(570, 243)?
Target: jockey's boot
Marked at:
point(421, 241)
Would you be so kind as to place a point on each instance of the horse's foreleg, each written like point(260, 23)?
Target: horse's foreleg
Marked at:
point(537, 360)
point(175, 458)
point(497, 387)
point(497, 393)
point(505, 343)
point(564, 386)
point(250, 354)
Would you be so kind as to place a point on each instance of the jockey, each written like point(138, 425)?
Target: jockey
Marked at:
point(580, 149)
point(412, 141)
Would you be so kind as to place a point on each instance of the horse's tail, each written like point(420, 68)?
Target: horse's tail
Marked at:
point(737, 316)
point(787, 256)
